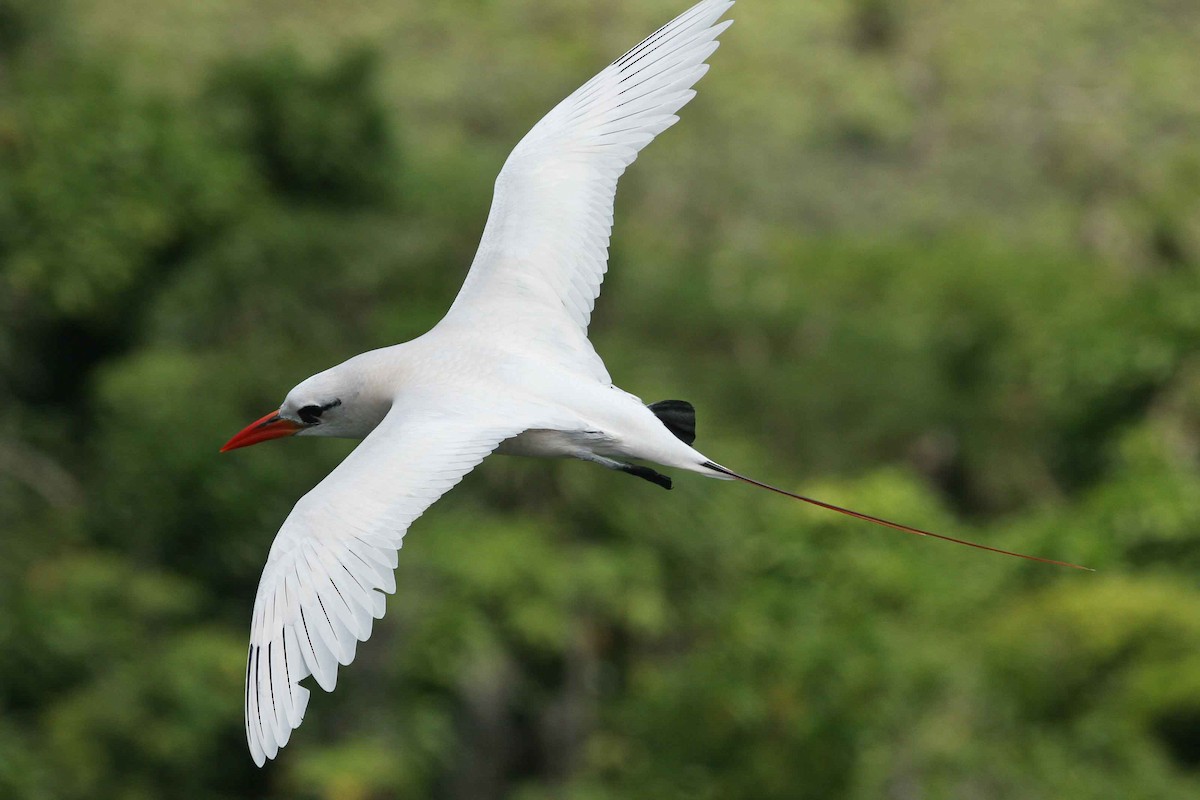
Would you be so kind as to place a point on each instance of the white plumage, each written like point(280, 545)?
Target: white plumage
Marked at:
point(509, 363)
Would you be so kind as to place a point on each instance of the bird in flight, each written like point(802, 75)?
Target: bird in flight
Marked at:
point(509, 369)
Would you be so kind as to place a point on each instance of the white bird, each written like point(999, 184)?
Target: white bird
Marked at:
point(509, 369)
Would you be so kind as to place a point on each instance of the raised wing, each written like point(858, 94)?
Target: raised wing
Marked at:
point(545, 247)
point(333, 558)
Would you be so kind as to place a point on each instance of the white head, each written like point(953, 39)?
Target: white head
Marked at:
point(339, 402)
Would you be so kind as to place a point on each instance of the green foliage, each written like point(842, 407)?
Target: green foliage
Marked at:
point(938, 262)
point(102, 186)
point(317, 135)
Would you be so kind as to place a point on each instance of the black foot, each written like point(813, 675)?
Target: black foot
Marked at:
point(648, 474)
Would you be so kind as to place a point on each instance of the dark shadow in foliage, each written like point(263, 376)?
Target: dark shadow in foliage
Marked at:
point(1179, 731)
point(319, 135)
point(875, 26)
point(23, 22)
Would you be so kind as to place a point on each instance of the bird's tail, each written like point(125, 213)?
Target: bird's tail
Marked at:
point(886, 523)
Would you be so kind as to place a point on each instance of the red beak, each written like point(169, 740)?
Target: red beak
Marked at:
point(272, 426)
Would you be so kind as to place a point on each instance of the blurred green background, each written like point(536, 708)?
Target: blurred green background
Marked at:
point(934, 260)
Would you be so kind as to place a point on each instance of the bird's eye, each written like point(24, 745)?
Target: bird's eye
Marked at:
point(311, 415)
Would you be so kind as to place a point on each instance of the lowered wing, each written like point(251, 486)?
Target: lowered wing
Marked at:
point(332, 561)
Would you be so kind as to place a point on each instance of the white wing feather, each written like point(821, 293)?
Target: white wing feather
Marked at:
point(332, 561)
point(545, 246)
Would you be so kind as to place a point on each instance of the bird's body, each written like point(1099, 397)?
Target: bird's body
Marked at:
point(572, 413)
point(509, 368)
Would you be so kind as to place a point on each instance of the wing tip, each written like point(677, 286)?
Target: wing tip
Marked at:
point(267, 740)
point(327, 680)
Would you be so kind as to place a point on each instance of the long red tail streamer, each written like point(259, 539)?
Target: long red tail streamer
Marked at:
point(887, 523)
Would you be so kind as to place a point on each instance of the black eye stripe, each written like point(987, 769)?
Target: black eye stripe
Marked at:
point(311, 415)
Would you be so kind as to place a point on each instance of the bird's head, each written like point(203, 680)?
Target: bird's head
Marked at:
point(331, 403)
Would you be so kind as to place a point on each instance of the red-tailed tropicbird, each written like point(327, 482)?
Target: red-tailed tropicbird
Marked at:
point(509, 369)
